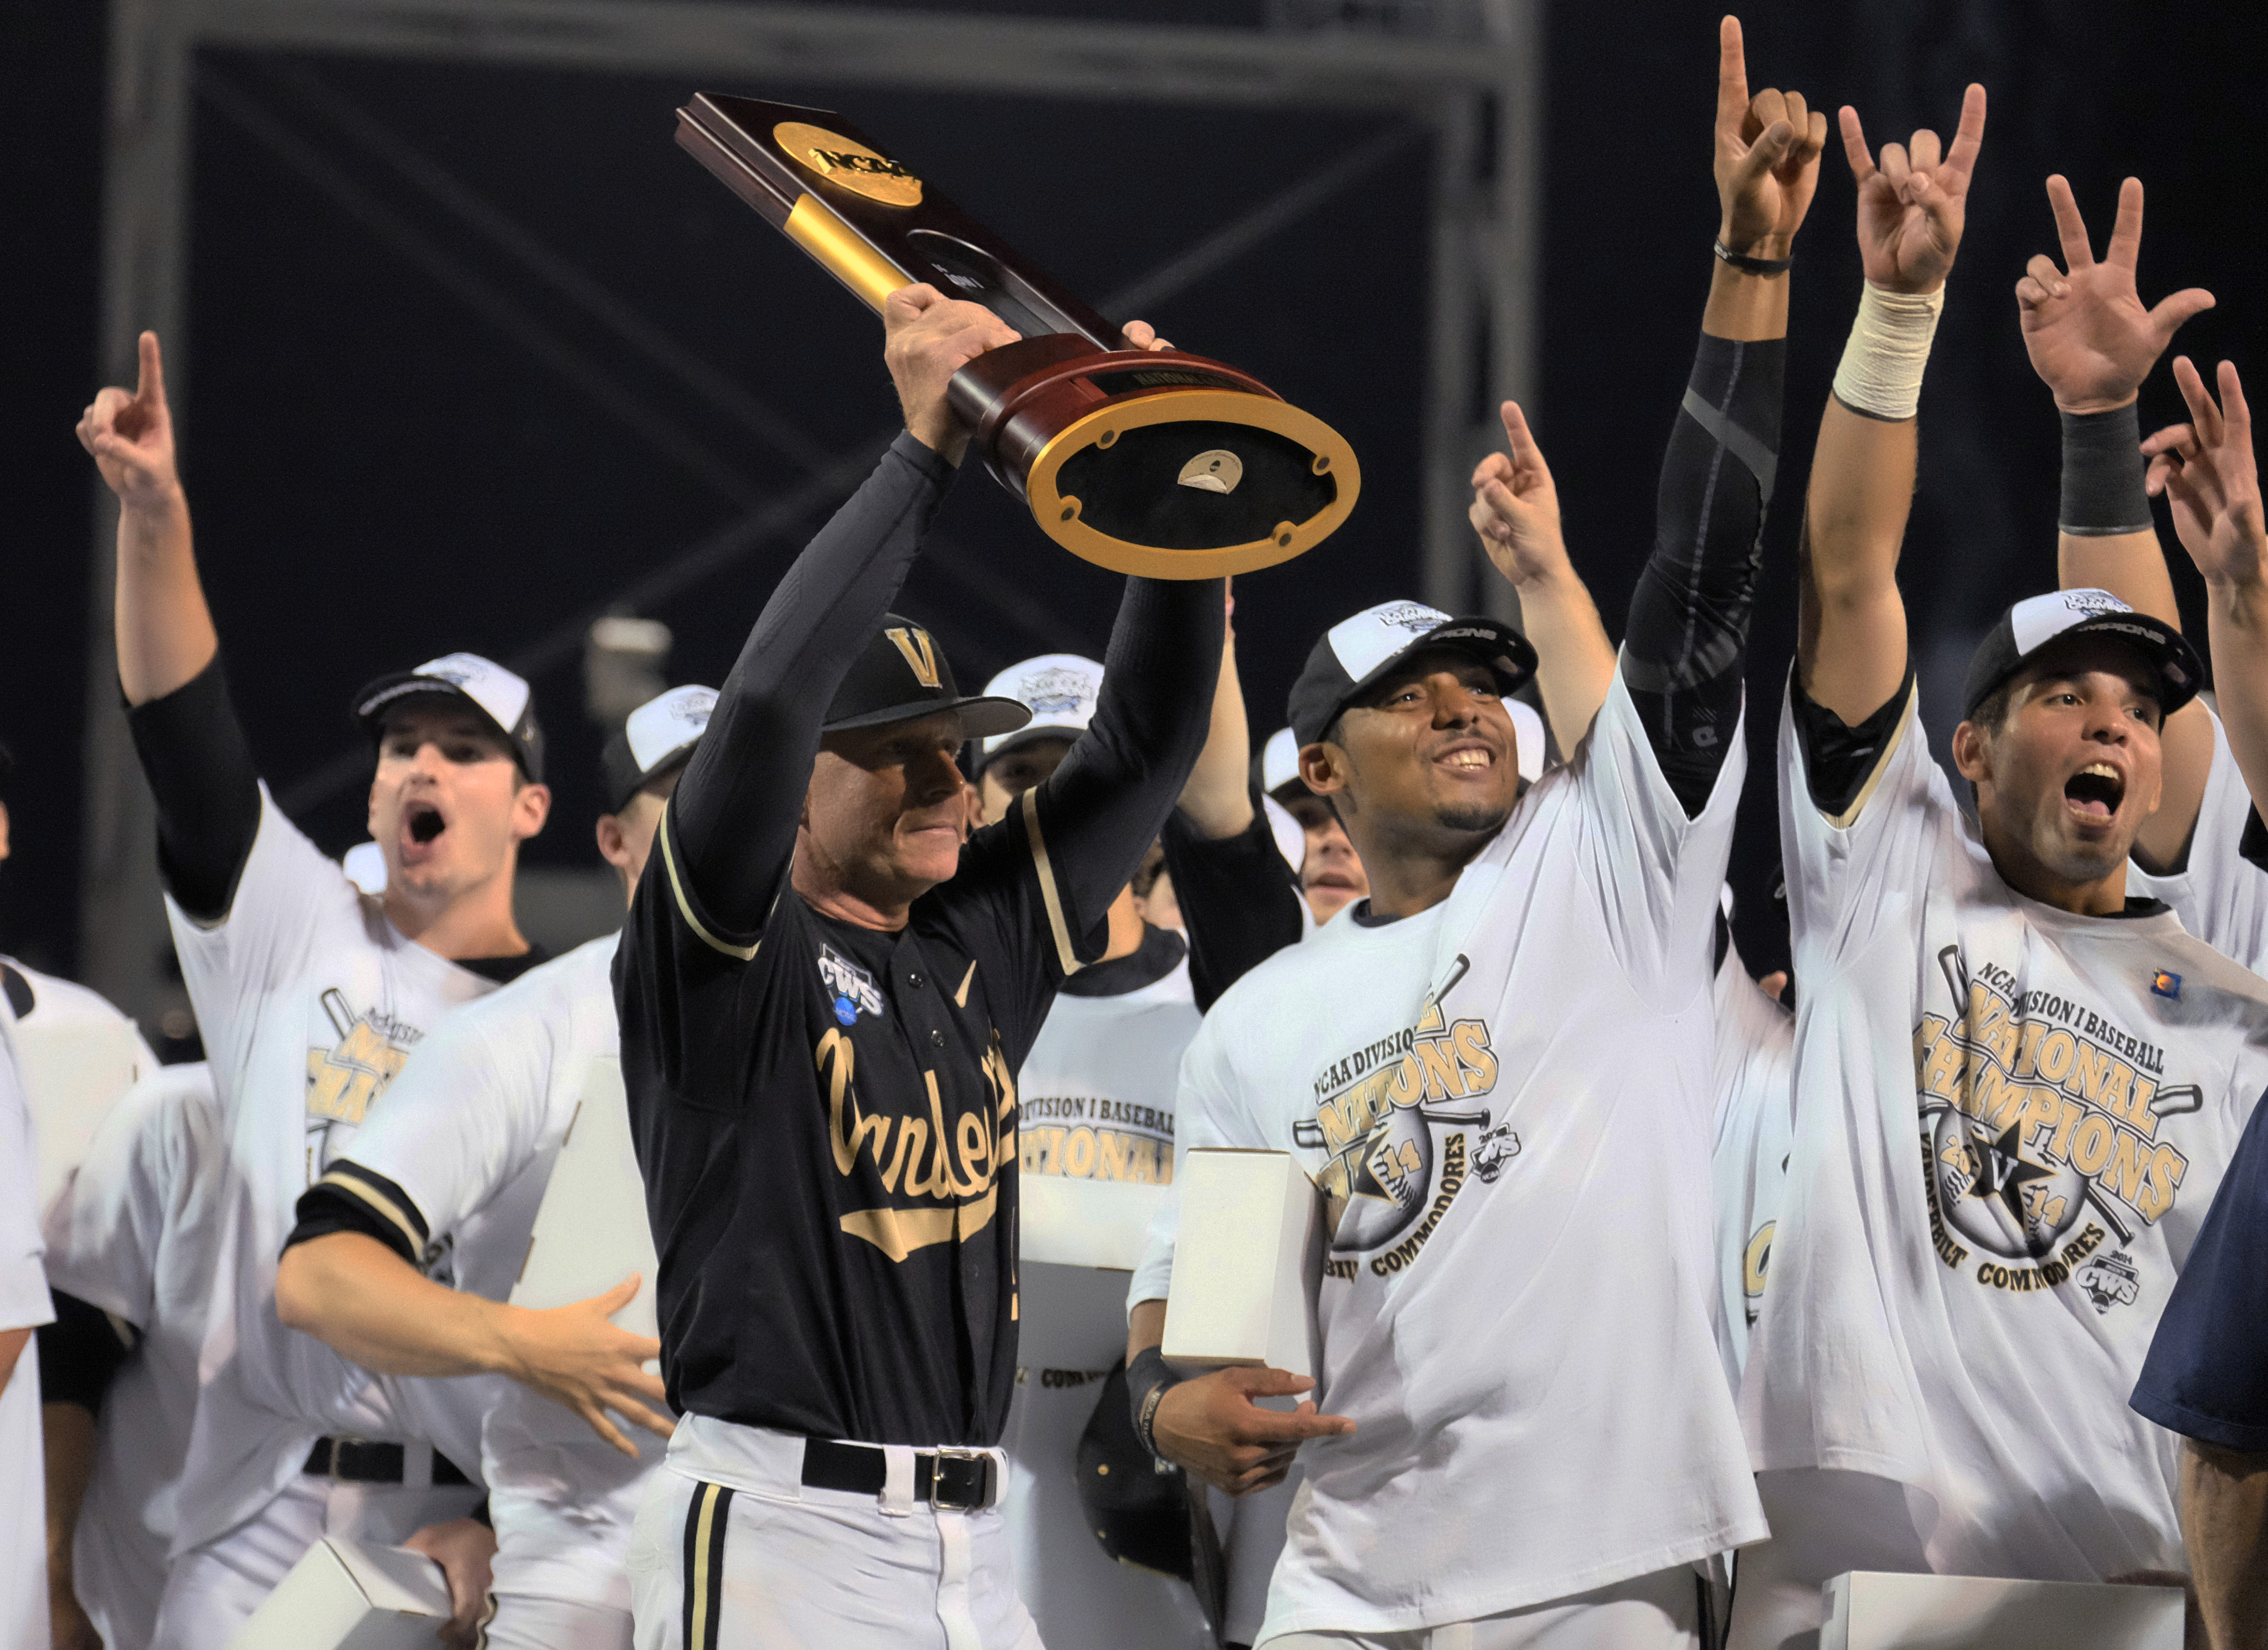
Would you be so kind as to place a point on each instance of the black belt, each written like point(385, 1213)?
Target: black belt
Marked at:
point(958, 1480)
point(359, 1460)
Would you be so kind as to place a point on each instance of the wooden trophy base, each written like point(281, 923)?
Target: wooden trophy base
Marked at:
point(1155, 462)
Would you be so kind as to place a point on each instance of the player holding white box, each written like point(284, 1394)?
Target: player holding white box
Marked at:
point(456, 1164)
point(1497, 1068)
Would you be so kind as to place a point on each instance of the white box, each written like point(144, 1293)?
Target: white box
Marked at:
point(1247, 1263)
point(1871, 1609)
point(591, 1230)
point(343, 1596)
point(1077, 1242)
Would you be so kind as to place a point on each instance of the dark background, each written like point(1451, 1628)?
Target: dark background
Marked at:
point(385, 466)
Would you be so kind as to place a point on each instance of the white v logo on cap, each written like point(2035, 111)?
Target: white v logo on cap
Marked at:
point(668, 724)
point(488, 684)
point(2038, 620)
point(1375, 635)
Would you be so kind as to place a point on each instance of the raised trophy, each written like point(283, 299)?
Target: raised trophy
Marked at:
point(1153, 462)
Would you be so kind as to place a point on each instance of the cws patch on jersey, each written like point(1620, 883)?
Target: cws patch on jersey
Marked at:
point(853, 989)
point(1399, 1154)
point(2037, 1113)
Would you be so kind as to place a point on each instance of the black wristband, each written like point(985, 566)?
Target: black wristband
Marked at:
point(2102, 473)
point(1747, 265)
point(1148, 1379)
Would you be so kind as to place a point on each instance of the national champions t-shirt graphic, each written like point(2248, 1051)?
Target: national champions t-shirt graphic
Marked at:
point(1389, 1115)
point(2040, 1136)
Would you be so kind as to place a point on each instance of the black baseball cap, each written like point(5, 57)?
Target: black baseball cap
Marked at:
point(2030, 625)
point(901, 673)
point(505, 700)
point(657, 737)
point(1356, 652)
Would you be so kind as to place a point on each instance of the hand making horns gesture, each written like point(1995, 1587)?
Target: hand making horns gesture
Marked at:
point(1913, 206)
point(2090, 340)
point(1768, 150)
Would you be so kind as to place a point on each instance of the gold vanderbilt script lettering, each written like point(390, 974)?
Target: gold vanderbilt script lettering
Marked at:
point(949, 1169)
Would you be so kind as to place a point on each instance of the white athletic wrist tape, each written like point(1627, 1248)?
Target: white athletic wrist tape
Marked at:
point(1882, 363)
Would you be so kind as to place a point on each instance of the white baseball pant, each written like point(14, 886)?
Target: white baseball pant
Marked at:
point(526, 1621)
point(1822, 1524)
point(1659, 1611)
point(732, 1551)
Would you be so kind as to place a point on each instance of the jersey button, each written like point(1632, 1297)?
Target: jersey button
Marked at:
point(936, 1038)
point(914, 979)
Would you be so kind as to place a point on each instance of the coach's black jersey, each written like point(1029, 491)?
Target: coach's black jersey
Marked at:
point(826, 1114)
point(836, 1157)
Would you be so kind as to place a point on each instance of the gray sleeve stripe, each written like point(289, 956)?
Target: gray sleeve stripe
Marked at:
point(1759, 459)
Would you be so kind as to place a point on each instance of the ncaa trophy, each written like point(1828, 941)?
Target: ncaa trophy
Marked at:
point(1150, 462)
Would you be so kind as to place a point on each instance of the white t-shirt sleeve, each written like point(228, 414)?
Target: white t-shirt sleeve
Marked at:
point(24, 1303)
point(1851, 876)
point(106, 1225)
point(2220, 893)
point(463, 1116)
point(289, 892)
point(1655, 872)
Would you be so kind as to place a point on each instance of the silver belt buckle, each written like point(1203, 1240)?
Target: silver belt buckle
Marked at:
point(987, 1481)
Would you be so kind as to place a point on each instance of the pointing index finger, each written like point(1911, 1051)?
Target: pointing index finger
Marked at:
point(1969, 137)
point(149, 387)
point(1732, 77)
point(1854, 144)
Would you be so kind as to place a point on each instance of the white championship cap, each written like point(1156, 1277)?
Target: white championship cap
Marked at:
point(499, 695)
point(1291, 836)
point(1529, 727)
point(1061, 688)
point(654, 739)
point(1356, 651)
point(1279, 761)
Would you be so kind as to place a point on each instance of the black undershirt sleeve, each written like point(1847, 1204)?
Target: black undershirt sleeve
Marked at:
point(1104, 806)
point(79, 1353)
point(352, 1198)
point(207, 791)
point(1240, 902)
point(1684, 646)
point(733, 814)
point(1839, 756)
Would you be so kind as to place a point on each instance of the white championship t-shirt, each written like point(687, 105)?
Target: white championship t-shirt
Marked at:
point(1510, 1097)
point(133, 1231)
point(24, 1305)
point(308, 1000)
point(1754, 1133)
point(77, 1055)
point(2220, 892)
point(2010, 1122)
point(469, 1132)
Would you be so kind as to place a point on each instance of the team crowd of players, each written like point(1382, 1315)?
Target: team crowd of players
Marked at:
point(1654, 1299)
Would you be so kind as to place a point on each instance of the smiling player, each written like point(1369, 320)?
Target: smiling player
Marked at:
point(2017, 1085)
point(310, 996)
point(1497, 1068)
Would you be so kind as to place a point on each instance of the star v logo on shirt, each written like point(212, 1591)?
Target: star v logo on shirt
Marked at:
point(854, 988)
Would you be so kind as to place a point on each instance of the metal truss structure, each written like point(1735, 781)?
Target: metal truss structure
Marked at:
point(1466, 72)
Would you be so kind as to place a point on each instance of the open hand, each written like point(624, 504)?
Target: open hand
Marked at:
point(131, 436)
point(1913, 206)
point(575, 1358)
point(2090, 340)
point(1768, 150)
point(928, 338)
point(1211, 1426)
point(1515, 507)
point(2206, 471)
point(464, 1547)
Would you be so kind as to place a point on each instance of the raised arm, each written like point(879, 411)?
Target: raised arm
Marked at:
point(185, 731)
point(733, 815)
point(1218, 797)
point(1102, 809)
point(1851, 637)
point(2208, 472)
point(2092, 343)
